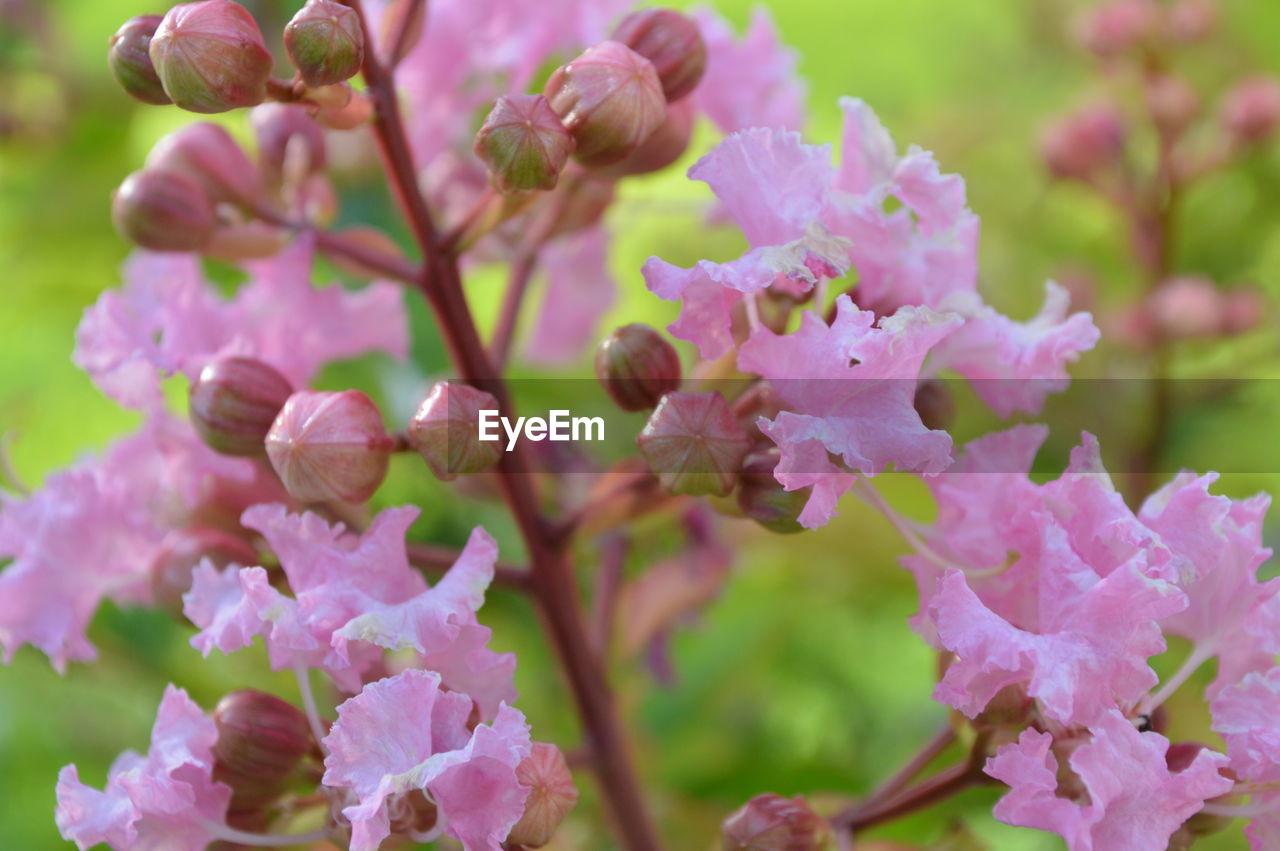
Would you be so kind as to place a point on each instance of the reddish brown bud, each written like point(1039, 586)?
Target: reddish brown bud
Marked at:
point(636, 366)
point(775, 823)
point(181, 551)
point(610, 99)
point(163, 211)
point(552, 795)
point(694, 444)
point(672, 42)
point(330, 446)
point(762, 498)
point(1118, 26)
point(206, 153)
point(234, 403)
point(261, 740)
point(446, 430)
point(1082, 144)
point(663, 147)
point(935, 405)
point(130, 59)
point(210, 56)
point(290, 143)
point(1172, 102)
point(523, 143)
point(325, 42)
point(1251, 110)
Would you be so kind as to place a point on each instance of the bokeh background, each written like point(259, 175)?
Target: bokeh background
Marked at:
point(802, 675)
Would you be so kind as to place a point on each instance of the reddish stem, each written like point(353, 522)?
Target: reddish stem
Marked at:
point(435, 560)
point(551, 580)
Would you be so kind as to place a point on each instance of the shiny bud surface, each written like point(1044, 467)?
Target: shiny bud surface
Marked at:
point(163, 211)
point(552, 795)
point(775, 823)
point(637, 366)
point(693, 444)
point(330, 446)
point(325, 42)
point(446, 430)
point(129, 57)
point(261, 740)
point(235, 401)
point(523, 144)
point(206, 153)
point(210, 56)
point(672, 42)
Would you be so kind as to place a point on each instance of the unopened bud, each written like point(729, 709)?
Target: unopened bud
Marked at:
point(672, 42)
point(163, 211)
point(330, 446)
point(935, 405)
point(637, 366)
point(1251, 110)
point(1187, 307)
point(775, 823)
point(325, 42)
point(1117, 27)
point(182, 551)
point(610, 99)
point(523, 143)
point(446, 430)
point(235, 401)
point(694, 444)
point(1192, 20)
point(1084, 143)
point(261, 740)
point(552, 795)
point(1243, 311)
point(763, 499)
point(210, 56)
point(206, 153)
point(1172, 102)
point(663, 147)
point(130, 59)
point(290, 143)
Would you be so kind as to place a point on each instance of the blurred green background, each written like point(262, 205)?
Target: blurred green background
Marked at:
point(802, 677)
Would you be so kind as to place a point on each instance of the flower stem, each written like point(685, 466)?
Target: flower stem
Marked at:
point(1200, 654)
point(309, 704)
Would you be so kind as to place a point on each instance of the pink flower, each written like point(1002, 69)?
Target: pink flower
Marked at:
point(167, 320)
point(752, 82)
point(863, 413)
point(92, 532)
point(353, 596)
point(1130, 799)
point(406, 734)
point(1247, 716)
point(166, 799)
point(579, 290)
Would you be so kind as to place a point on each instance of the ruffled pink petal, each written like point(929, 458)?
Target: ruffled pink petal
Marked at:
point(579, 292)
point(88, 816)
point(752, 82)
point(1247, 716)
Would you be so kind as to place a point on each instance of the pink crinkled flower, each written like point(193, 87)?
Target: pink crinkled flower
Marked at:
point(579, 290)
point(166, 799)
point(1247, 716)
point(848, 389)
point(1133, 800)
point(353, 596)
point(751, 82)
point(92, 532)
point(168, 320)
point(406, 734)
point(778, 192)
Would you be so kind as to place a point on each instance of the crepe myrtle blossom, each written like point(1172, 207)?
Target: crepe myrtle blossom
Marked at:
point(406, 734)
point(354, 596)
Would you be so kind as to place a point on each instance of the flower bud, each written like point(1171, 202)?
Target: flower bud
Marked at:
point(446, 430)
point(763, 499)
point(1251, 110)
point(610, 99)
point(1187, 307)
point(163, 211)
point(330, 446)
point(1243, 311)
point(206, 153)
point(934, 404)
point(325, 42)
point(1192, 20)
point(1117, 27)
point(663, 147)
point(247, 241)
point(261, 740)
point(523, 143)
point(672, 42)
point(130, 59)
point(694, 444)
point(290, 143)
point(775, 823)
point(636, 366)
point(1172, 102)
point(235, 401)
point(552, 795)
point(211, 57)
point(1084, 143)
point(182, 551)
